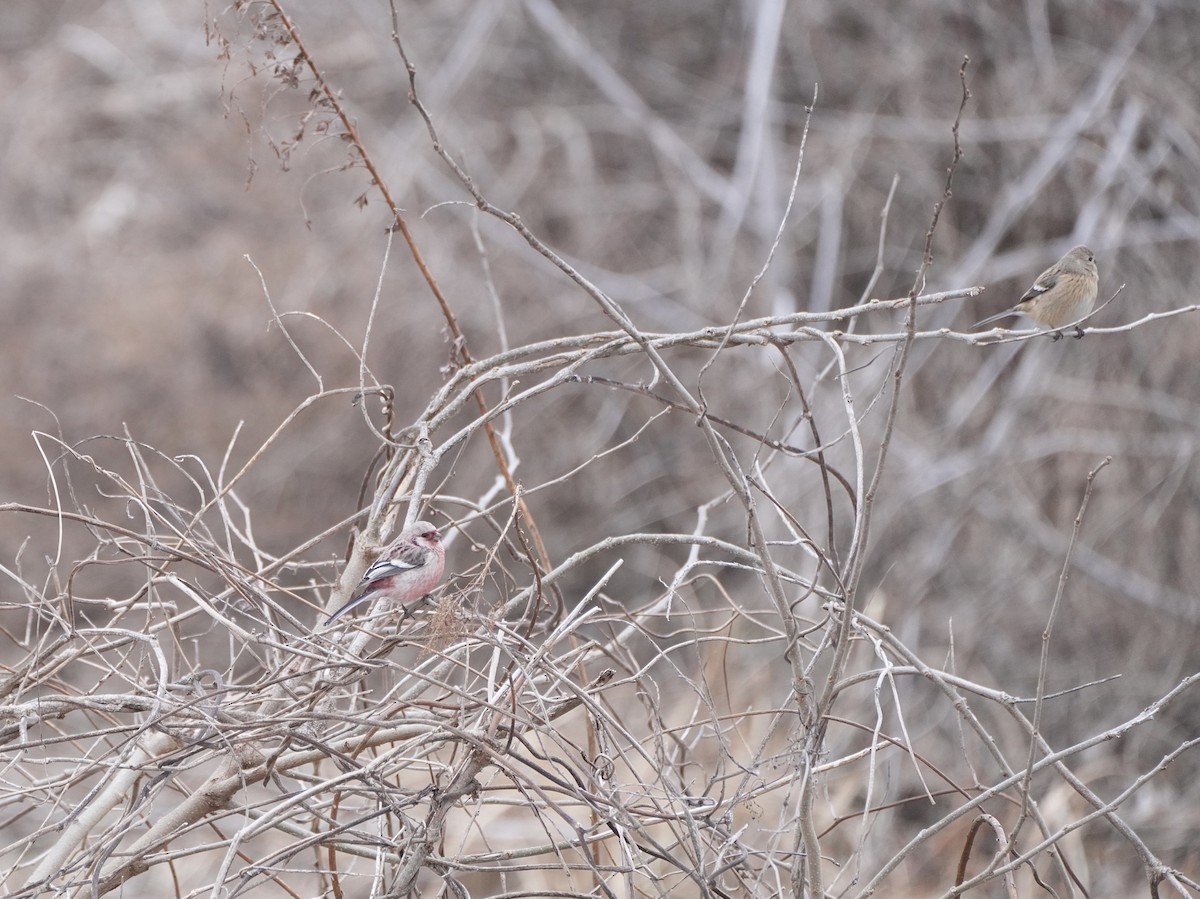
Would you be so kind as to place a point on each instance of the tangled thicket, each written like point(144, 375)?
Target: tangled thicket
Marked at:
point(759, 585)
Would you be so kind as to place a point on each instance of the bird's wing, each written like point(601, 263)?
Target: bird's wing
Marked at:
point(1040, 286)
point(382, 568)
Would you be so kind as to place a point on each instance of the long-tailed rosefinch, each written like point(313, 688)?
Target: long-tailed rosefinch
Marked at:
point(1063, 293)
point(406, 570)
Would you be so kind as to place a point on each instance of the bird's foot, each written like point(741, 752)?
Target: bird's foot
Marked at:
point(1078, 335)
point(1055, 335)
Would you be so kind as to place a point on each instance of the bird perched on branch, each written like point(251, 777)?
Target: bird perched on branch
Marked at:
point(1063, 293)
point(406, 570)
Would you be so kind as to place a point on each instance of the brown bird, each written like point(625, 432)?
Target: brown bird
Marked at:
point(1063, 293)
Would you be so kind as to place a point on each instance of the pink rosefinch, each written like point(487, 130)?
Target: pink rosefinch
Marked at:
point(406, 570)
point(1063, 293)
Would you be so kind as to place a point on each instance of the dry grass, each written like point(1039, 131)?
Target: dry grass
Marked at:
point(745, 569)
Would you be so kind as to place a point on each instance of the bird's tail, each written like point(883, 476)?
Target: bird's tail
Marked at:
point(994, 318)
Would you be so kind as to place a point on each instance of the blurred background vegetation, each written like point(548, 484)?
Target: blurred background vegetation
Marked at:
point(151, 148)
